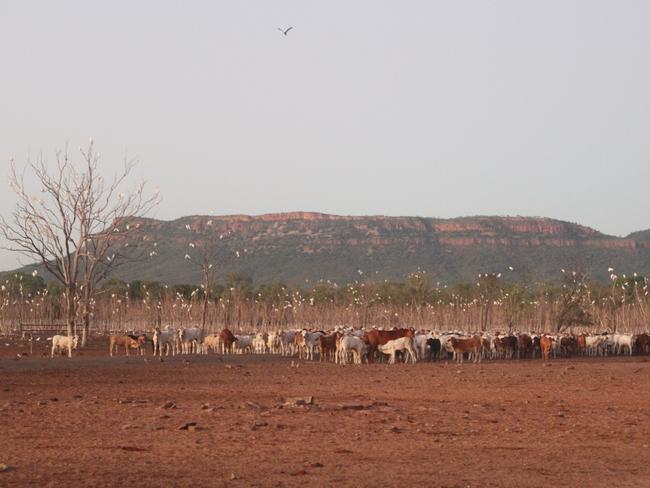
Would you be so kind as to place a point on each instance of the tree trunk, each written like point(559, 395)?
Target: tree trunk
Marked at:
point(70, 309)
point(85, 332)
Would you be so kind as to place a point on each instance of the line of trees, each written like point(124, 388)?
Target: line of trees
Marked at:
point(487, 304)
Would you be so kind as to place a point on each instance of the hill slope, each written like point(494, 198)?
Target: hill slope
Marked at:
point(301, 248)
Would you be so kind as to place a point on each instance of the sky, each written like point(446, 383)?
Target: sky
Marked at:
point(426, 108)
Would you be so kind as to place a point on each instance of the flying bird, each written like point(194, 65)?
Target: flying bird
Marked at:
point(285, 31)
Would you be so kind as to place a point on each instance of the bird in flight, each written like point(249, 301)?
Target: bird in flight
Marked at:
point(285, 31)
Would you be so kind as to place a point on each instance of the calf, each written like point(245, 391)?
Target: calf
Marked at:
point(60, 342)
point(124, 340)
point(212, 341)
point(142, 340)
point(375, 338)
point(472, 345)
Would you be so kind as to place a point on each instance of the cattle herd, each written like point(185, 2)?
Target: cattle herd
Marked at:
point(343, 344)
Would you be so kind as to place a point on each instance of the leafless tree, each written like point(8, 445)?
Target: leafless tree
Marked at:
point(76, 227)
point(203, 253)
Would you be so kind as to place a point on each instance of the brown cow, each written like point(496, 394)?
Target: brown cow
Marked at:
point(227, 339)
point(546, 344)
point(327, 346)
point(472, 345)
point(568, 345)
point(126, 341)
point(581, 342)
point(505, 346)
point(642, 343)
point(525, 346)
point(377, 337)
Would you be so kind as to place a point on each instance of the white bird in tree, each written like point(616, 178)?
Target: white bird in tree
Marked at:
point(285, 31)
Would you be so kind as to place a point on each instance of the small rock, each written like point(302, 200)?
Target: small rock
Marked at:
point(233, 476)
point(317, 465)
point(129, 427)
point(547, 365)
point(258, 423)
point(3, 467)
point(353, 406)
point(124, 401)
point(168, 404)
point(187, 425)
point(42, 402)
point(309, 400)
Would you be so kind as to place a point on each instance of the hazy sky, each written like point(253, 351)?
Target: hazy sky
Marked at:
point(430, 108)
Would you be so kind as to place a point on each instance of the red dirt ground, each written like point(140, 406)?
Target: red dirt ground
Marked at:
point(97, 421)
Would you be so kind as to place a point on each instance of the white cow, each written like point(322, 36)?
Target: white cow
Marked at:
point(61, 342)
point(350, 344)
point(595, 345)
point(189, 340)
point(401, 344)
point(244, 343)
point(310, 342)
point(165, 339)
point(274, 342)
point(420, 343)
point(623, 340)
point(288, 342)
point(259, 342)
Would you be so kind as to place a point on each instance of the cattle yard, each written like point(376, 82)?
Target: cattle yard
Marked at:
point(268, 420)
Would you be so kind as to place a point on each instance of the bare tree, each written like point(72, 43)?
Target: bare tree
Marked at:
point(75, 225)
point(202, 254)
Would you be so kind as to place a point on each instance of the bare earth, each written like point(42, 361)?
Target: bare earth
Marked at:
point(98, 421)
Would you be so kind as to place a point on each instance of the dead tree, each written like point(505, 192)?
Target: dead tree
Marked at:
point(73, 224)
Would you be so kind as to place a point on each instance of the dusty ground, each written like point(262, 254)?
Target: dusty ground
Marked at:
point(98, 421)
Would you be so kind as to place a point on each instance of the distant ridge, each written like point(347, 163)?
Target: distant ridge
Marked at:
point(306, 247)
